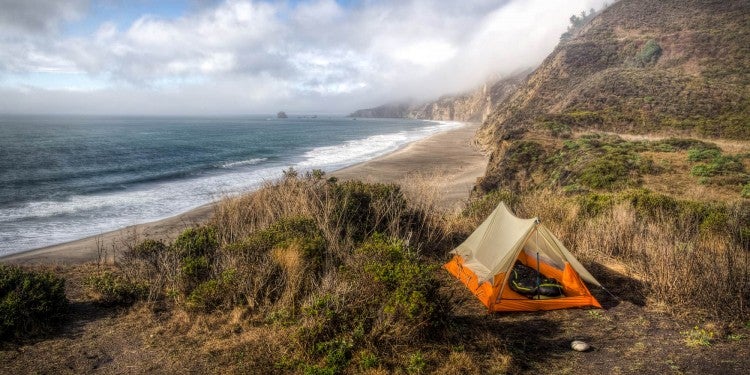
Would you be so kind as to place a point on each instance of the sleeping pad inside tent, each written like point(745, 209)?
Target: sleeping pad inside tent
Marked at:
point(484, 263)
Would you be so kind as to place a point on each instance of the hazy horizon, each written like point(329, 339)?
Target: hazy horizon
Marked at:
point(238, 57)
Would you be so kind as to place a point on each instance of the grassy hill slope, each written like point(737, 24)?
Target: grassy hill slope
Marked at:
point(642, 66)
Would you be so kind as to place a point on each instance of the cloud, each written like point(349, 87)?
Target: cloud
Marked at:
point(242, 56)
point(37, 16)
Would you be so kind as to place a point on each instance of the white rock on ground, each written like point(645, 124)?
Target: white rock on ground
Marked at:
point(580, 346)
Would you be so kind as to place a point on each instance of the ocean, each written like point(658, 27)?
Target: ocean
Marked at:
point(64, 178)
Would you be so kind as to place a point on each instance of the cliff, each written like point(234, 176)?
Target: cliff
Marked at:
point(393, 110)
point(473, 106)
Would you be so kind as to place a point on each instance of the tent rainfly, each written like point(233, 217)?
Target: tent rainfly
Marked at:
point(483, 263)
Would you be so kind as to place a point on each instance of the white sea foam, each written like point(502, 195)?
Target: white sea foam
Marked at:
point(243, 163)
point(44, 223)
point(359, 150)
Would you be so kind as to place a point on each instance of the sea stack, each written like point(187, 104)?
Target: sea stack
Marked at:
point(281, 114)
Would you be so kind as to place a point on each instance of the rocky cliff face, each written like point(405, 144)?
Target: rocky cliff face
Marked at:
point(394, 110)
point(473, 106)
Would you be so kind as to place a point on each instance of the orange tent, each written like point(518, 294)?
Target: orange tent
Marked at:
point(483, 263)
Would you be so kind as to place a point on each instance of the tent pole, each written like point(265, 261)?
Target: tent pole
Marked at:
point(538, 275)
point(538, 267)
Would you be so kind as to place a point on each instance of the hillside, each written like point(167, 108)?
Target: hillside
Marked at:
point(664, 68)
point(472, 106)
point(643, 66)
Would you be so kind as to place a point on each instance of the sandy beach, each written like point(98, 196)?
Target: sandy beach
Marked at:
point(448, 160)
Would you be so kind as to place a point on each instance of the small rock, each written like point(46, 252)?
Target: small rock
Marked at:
point(580, 346)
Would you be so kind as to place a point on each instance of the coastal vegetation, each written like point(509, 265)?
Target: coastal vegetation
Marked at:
point(629, 143)
point(31, 302)
point(316, 276)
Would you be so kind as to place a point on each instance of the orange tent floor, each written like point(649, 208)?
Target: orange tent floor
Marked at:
point(491, 295)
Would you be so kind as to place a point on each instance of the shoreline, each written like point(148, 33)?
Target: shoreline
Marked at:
point(447, 160)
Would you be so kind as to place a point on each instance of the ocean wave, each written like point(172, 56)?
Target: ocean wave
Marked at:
point(360, 150)
point(243, 163)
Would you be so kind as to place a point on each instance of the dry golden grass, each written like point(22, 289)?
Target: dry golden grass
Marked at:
point(684, 266)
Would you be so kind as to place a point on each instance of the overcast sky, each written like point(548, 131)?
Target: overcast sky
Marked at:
point(243, 56)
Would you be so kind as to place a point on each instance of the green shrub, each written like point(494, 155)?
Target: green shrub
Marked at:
point(745, 191)
point(518, 163)
point(30, 302)
point(367, 360)
point(583, 118)
point(301, 231)
point(597, 161)
point(148, 251)
point(193, 271)
point(115, 289)
point(556, 129)
point(525, 153)
point(649, 53)
point(593, 204)
point(606, 172)
point(362, 207)
point(416, 363)
point(196, 242)
point(703, 154)
point(684, 144)
point(715, 221)
point(648, 204)
point(214, 293)
point(408, 284)
point(718, 165)
point(337, 353)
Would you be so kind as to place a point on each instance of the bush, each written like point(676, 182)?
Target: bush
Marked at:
point(649, 53)
point(718, 165)
point(648, 204)
point(114, 289)
point(367, 360)
point(416, 363)
point(384, 296)
point(214, 293)
point(363, 208)
point(597, 161)
point(193, 271)
point(149, 251)
point(30, 302)
point(592, 204)
point(301, 231)
point(410, 290)
point(557, 129)
point(196, 242)
point(702, 154)
point(745, 191)
point(606, 173)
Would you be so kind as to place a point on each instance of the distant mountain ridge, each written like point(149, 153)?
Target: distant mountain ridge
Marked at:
point(472, 106)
